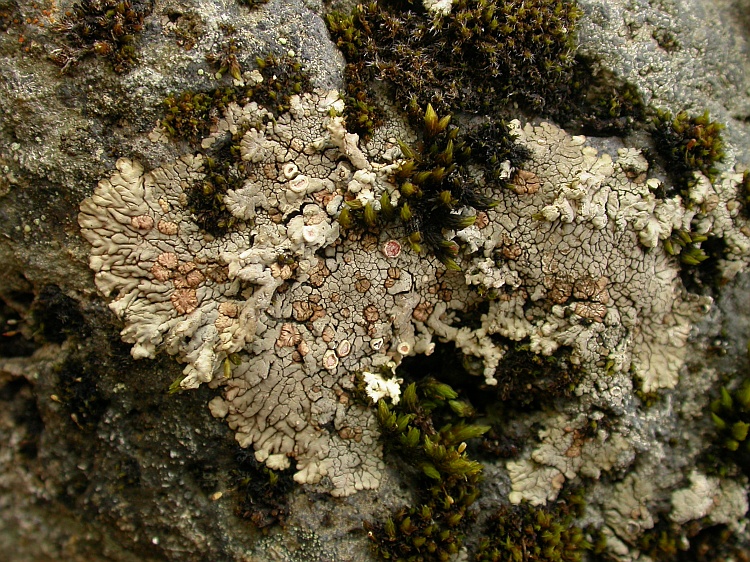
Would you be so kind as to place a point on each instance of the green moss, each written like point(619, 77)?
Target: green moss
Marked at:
point(428, 432)
point(225, 60)
point(664, 542)
point(483, 53)
point(730, 413)
point(487, 56)
point(189, 114)
point(540, 534)
point(688, 144)
point(434, 184)
point(106, 28)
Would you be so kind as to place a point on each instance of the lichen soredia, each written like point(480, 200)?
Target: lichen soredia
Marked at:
point(283, 311)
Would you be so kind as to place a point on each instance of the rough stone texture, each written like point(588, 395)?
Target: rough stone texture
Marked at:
point(98, 462)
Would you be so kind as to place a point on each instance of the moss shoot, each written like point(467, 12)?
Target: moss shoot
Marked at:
point(428, 431)
point(106, 28)
point(540, 534)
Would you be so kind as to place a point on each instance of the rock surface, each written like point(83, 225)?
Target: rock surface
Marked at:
point(100, 462)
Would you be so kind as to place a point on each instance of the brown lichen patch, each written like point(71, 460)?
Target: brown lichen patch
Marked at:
point(184, 301)
point(422, 311)
point(142, 222)
point(525, 182)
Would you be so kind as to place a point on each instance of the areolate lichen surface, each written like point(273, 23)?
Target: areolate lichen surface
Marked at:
point(285, 309)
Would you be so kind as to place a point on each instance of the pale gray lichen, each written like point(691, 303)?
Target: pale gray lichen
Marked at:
point(305, 308)
point(302, 329)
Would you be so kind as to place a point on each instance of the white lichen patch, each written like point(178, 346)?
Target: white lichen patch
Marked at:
point(284, 311)
point(572, 267)
point(302, 308)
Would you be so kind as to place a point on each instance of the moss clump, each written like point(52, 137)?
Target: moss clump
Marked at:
point(252, 3)
point(105, 28)
point(225, 60)
point(435, 187)
point(261, 492)
point(664, 542)
point(535, 534)
point(688, 144)
point(483, 53)
point(731, 417)
point(9, 14)
point(446, 478)
point(686, 245)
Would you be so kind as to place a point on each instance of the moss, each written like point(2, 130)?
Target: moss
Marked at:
point(545, 534)
point(435, 185)
point(531, 380)
point(252, 3)
point(743, 191)
point(486, 56)
point(664, 542)
point(106, 28)
point(428, 431)
point(597, 102)
point(225, 60)
point(224, 170)
point(77, 391)
point(189, 114)
point(261, 492)
point(483, 53)
point(730, 413)
point(715, 544)
point(687, 145)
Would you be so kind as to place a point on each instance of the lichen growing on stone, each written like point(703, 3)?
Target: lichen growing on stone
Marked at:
point(282, 309)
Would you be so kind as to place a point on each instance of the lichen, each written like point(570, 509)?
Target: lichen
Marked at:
point(281, 309)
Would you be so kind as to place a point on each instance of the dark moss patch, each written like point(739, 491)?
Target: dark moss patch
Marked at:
point(687, 144)
point(261, 492)
point(524, 533)
point(532, 381)
point(481, 54)
point(716, 543)
point(9, 14)
point(106, 28)
point(78, 391)
point(252, 3)
point(487, 56)
point(17, 397)
point(187, 28)
point(57, 316)
point(15, 339)
point(189, 116)
point(436, 186)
